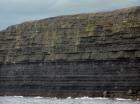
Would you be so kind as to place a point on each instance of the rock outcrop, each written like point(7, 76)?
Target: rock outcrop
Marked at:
point(86, 54)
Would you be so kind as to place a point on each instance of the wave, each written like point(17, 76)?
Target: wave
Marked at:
point(77, 98)
point(38, 97)
point(121, 99)
point(18, 96)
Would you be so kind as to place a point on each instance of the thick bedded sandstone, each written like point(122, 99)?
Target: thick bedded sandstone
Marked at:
point(83, 53)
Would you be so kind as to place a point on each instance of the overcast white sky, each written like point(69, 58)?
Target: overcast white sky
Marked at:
point(17, 11)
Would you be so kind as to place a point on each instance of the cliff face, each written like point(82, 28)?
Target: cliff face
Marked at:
point(83, 53)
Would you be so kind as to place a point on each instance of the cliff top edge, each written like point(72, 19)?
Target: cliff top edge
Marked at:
point(77, 16)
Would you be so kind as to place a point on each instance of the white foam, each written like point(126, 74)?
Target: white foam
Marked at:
point(121, 99)
point(38, 97)
point(85, 97)
point(100, 98)
point(68, 98)
point(18, 96)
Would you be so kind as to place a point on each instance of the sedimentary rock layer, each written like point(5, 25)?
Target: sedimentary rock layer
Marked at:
point(83, 54)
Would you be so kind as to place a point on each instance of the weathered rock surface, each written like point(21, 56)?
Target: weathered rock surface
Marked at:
point(83, 54)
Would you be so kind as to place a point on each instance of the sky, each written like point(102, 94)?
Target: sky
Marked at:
point(17, 11)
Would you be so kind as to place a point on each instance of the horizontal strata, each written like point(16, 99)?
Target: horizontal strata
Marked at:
point(97, 52)
point(99, 36)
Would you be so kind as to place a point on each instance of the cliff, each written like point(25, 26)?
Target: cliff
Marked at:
point(86, 54)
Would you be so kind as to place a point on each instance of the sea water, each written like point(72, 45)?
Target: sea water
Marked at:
point(69, 100)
